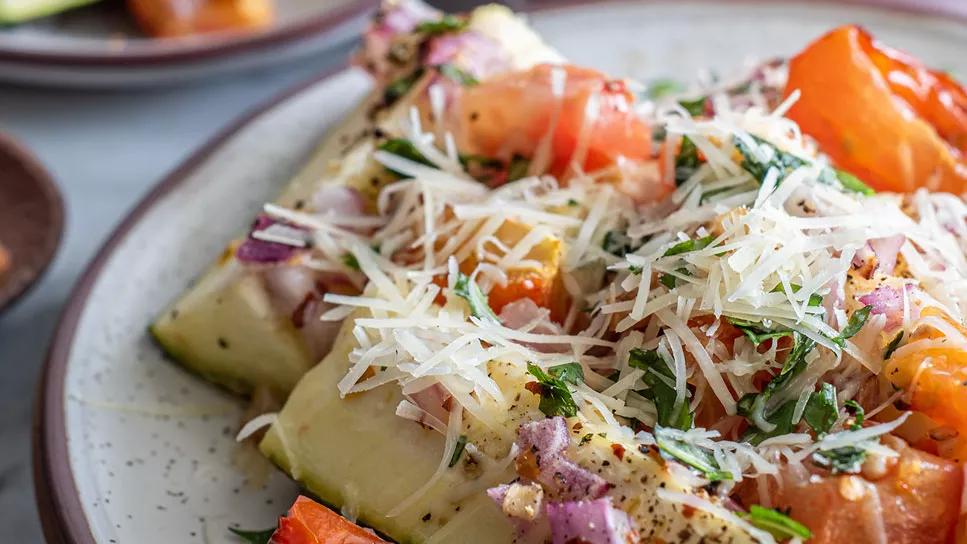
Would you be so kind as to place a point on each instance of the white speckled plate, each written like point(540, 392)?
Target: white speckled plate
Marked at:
point(130, 448)
point(99, 46)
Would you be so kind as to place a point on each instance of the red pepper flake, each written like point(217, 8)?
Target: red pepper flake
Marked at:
point(688, 511)
point(619, 451)
point(534, 387)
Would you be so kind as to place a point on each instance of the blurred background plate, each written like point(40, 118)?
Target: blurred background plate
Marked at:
point(98, 46)
point(31, 220)
point(130, 448)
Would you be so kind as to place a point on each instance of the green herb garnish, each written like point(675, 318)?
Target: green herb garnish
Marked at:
point(690, 455)
point(776, 523)
point(689, 245)
point(468, 290)
point(848, 459)
point(854, 409)
point(517, 168)
point(400, 86)
point(755, 331)
point(254, 537)
point(585, 439)
point(663, 87)
point(695, 107)
point(351, 261)
point(893, 345)
point(657, 376)
point(457, 74)
point(447, 23)
point(403, 148)
point(556, 399)
point(458, 450)
point(687, 161)
point(853, 183)
point(822, 411)
point(853, 326)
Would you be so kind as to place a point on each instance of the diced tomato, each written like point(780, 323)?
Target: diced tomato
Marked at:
point(917, 501)
point(881, 114)
point(934, 378)
point(309, 522)
point(172, 18)
point(511, 115)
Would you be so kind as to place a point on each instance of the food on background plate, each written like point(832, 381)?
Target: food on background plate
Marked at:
point(555, 306)
point(161, 18)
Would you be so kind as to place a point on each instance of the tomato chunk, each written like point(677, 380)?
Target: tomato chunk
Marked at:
point(881, 114)
point(514, 113)
point(917, 501)
point(309, 522)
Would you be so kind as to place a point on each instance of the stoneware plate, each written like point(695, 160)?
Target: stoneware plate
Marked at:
point(130, 448)
point(98, 46)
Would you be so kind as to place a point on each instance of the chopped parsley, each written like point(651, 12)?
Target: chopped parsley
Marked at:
point(689, 245)
point(853, 326)
point(468, 290)
point(696, 107)
point(755, 331)
point(457, 74)
point(254, 537)
point(854, 409)
point(687, 161)
point(690, 455)
point(785, 163)
point(517, 168)
point(351, 261)
point(814, 299)
point(556, 399)
point(403, 148)
point(663, 87)
point(585, 439)
point(893, 345)
point(776, 523)
point(618, 243)
point(657, 376)
point(400, 86)
point(447, 23)
point(458, 450)
point(754, 405)
point(822, 411)
point(848, 459)
point(852, 183)
point(669, 280)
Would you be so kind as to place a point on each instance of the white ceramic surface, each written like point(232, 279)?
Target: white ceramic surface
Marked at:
point(99, 46)
point(151, 446)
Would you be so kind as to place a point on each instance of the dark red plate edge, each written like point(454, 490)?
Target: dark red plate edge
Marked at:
point(205, 50)
point(58, 501)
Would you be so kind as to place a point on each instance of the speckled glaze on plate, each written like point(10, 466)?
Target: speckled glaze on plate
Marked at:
point(98, 46)
point(130, 448)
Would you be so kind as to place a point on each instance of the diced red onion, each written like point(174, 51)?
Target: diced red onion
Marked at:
point(888, 301)
point(548, 439)
point(886, 250)
point(253, 250)
point(862, 254)
point(338, 200)
point(592, 522)
point(471, 51)
point(394, 19)
point(545, 438)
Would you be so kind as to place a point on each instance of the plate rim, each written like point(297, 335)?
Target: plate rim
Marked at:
point(57, 497)
point(61, 512)
point(201, 51)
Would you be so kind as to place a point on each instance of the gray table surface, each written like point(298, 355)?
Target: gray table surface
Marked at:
point(106, 150)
